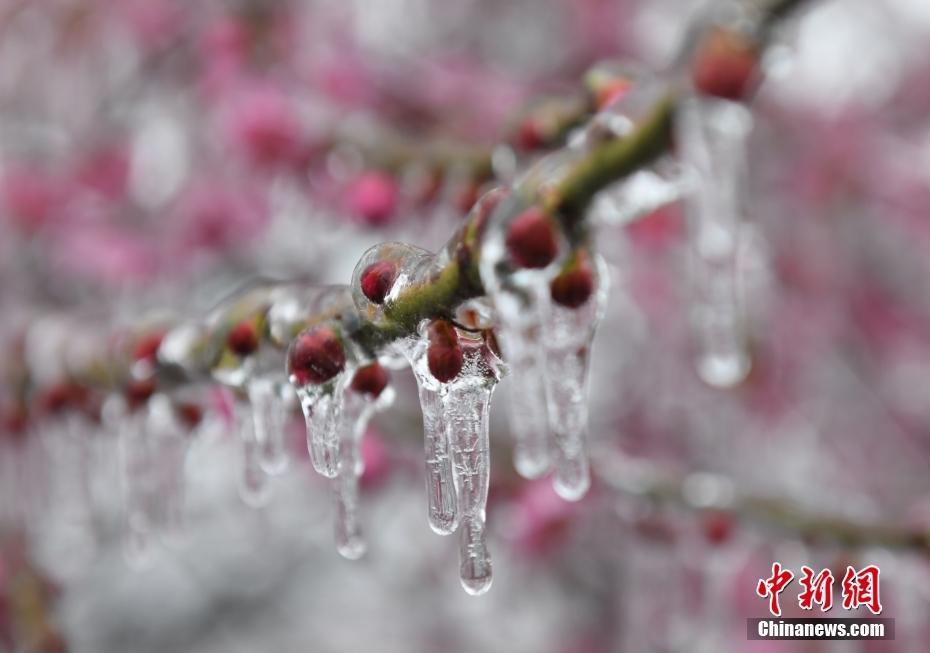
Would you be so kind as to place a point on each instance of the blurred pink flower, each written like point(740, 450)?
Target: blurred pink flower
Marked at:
point(218, 216)
point(263, 124)
point(345, 79)
point(104, 170)
point(30, 197)
point(377, 458)
point(104, 254)
point(541, 518)
point(154, 23)
point(372, 198)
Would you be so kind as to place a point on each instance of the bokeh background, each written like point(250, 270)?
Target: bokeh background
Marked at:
point(156, 153)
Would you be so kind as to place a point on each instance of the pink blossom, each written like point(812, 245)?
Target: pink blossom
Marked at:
point(105, 254)
point(264, 126)
point(219, 216)
point(372, 198)
point(541, 518)
point(30, 197)
point(376, 457)
point(104, 170)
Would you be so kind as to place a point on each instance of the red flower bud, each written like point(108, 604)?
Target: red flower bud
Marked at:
point(139, 392)
point(444, 355)
point(724, 65)
point(242, 339)
point(61, 397)
point(531, 239)
point(146, 348)
point(189, 414)
point(15, 419)
point(573, 287)
point(370, 379)
point(377, 279)
point(529, 135)
point(316, 356)
point(717, 526)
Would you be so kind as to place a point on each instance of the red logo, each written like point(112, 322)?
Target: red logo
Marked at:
point(860, 588)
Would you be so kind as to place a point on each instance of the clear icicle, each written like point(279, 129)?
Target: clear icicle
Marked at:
point(713, 137)
point(349, 539)
point(466, 405)
point(137, 465)
point(269, 412)
point(322, 405)
point(442, 512)
point(254, 485)
point(357, 411)
point(568, 336)
point(169, 446)
point(527, 406)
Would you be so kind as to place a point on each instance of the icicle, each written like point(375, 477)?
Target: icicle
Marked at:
point(358, 408)
point(169, 446)
point(269, 412)
point(567, 335)
point(713, 137)
point(254, 486)
point(527, 407)
point(380, 276)
point(348, 532)
point(316, 364)
point(442, 512)
point(137, 463)
point(520, 295)
point(322, 406)
point(465, 408)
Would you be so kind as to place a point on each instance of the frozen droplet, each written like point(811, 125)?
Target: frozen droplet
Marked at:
point(269, 412)
point(442, 512)
point(713, 135)
point(475, 570)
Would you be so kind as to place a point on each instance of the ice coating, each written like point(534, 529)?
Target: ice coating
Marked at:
point(522, 307)
point(322, 408)
point(171, 445)
point(357, 411)
point(527, 407)
point(712, 136)
point(254, 484)
point(269, 413)
point(136, 465)
point(645, 190)
point(568, 334)
point(317, 370)
point(466, 404)
point(383, 272)
point(442, 512)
